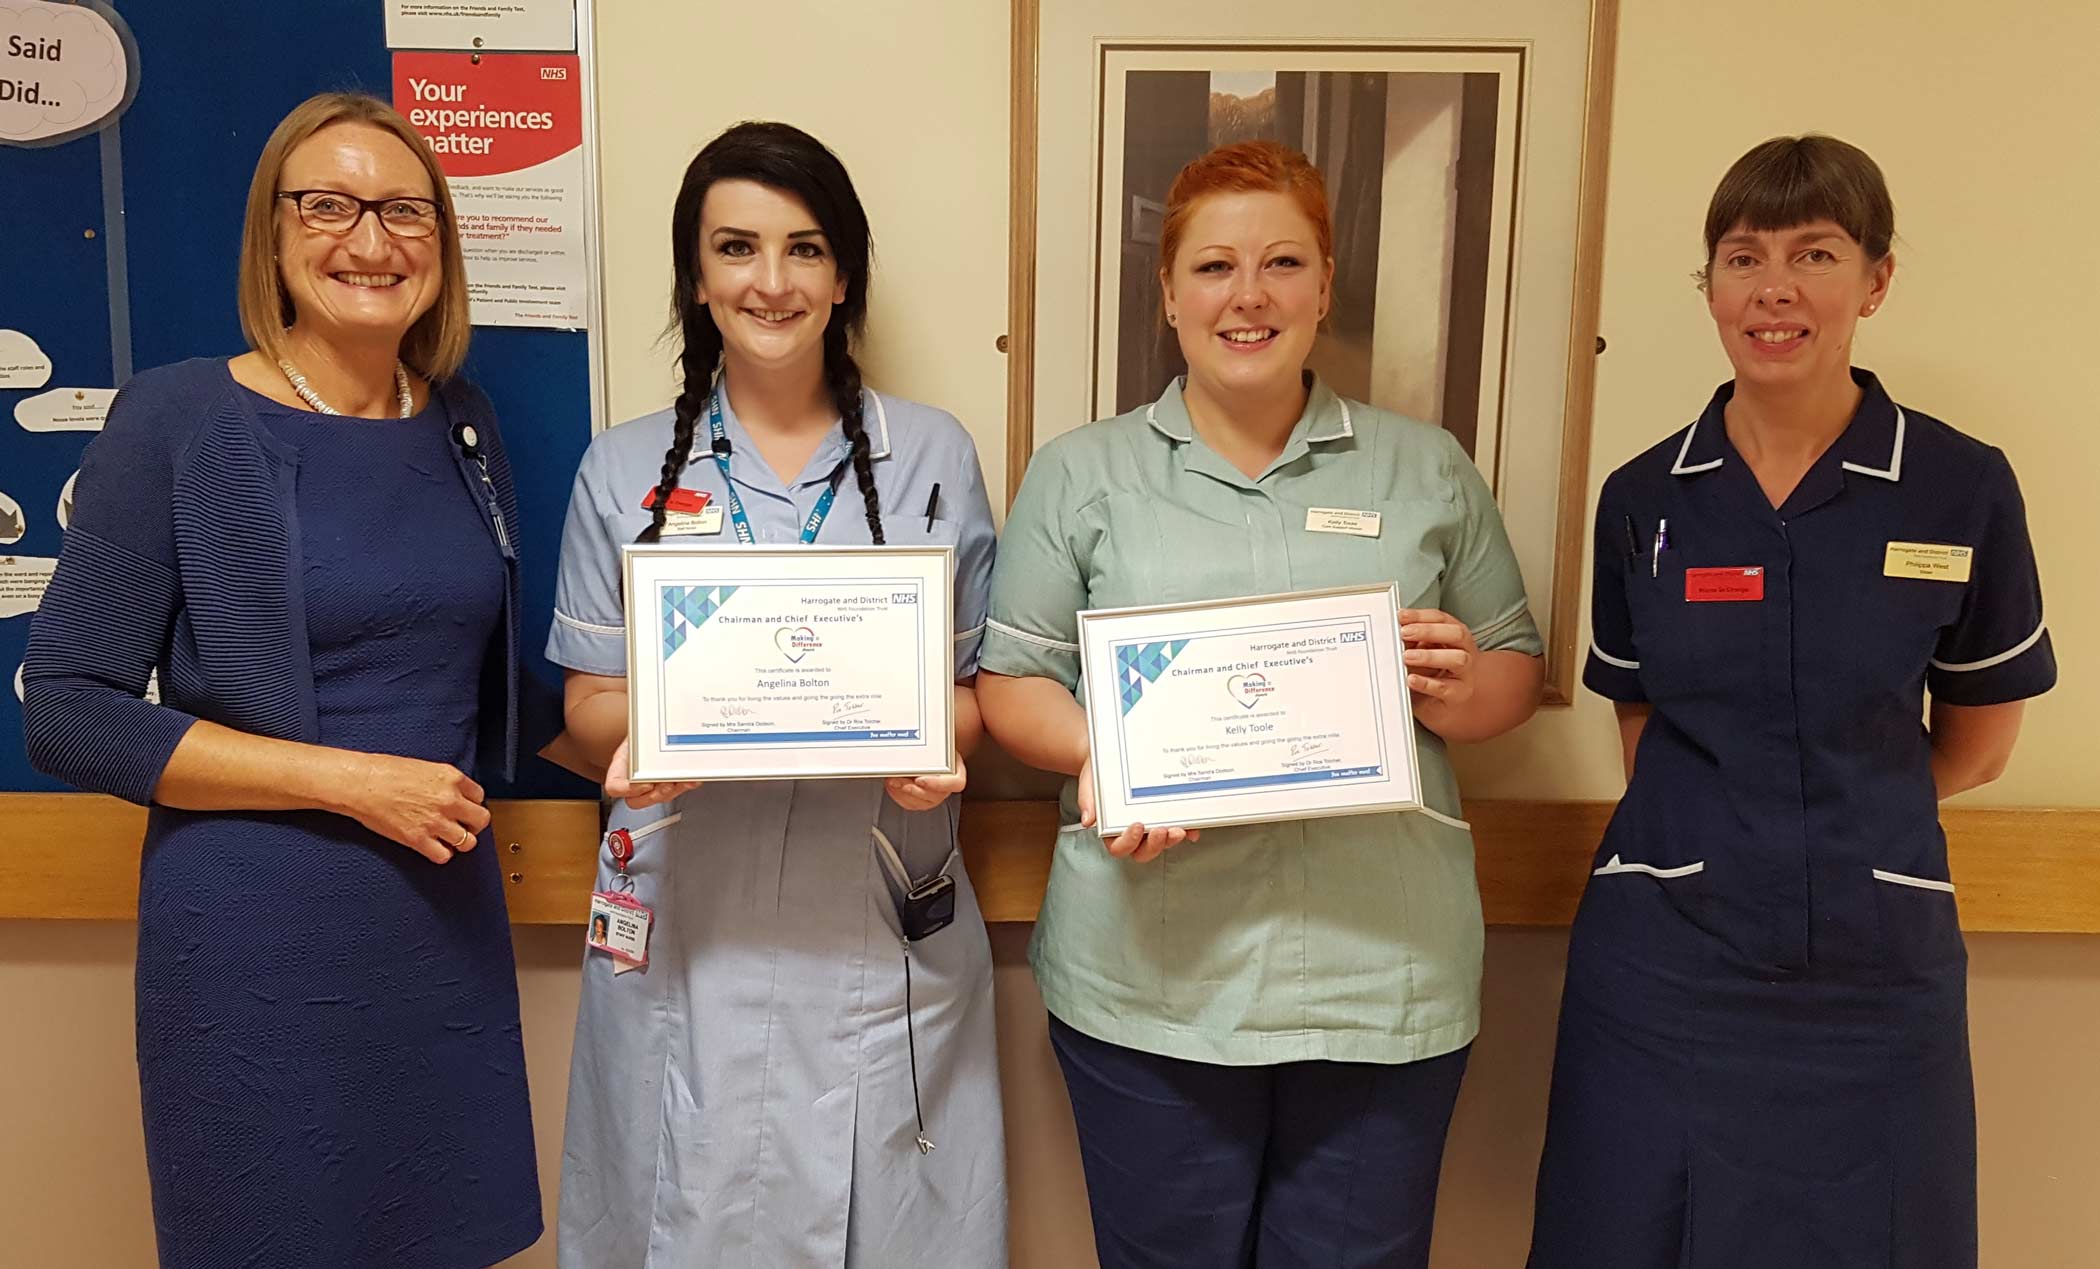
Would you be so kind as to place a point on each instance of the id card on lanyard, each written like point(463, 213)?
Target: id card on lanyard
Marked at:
point(718, 442)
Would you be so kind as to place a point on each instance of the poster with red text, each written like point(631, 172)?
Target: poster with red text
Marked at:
point(508, 132)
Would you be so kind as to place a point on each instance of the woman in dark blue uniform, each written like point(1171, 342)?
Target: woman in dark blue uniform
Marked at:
point(1763, 1058)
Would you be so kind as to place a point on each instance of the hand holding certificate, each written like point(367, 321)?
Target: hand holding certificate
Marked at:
point(1248, 710)
point(750, 663)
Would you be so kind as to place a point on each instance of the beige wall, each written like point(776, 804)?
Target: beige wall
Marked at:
point(1984, 125)
point(912, 98)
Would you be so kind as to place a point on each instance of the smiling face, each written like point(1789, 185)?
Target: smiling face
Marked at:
point(1245, 293)
point(365, 284)
point(766, 274)
point(1786, 301)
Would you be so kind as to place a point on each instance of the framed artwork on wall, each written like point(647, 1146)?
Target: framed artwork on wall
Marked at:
point(1464, 153)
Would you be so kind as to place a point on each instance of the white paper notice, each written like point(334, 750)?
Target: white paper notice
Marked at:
point(13, 524)
point(508, 133)
point(489, 25)
point(22, 363)
point(65, 410)
point(64, 71)
point(23, 579)
point(65, 502)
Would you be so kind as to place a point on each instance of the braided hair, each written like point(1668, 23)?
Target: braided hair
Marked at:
point(787, 159)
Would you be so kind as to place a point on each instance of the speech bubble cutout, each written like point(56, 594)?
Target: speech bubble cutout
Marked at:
point(65, 69)
point(65, 410)
point(18, 683)
point(65, 502)
point(13, 524)
point(22, 582)
point(22, 363)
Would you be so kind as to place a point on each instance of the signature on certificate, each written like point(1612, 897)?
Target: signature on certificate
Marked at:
point(840, 709)
point(1307, 748)
point(739, 711)
point(1196, 761)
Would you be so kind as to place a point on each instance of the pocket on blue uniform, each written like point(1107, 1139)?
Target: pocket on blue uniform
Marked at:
point(1920, 926)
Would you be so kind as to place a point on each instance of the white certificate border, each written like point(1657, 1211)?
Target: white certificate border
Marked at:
point(1091, 622)
point(641, 566)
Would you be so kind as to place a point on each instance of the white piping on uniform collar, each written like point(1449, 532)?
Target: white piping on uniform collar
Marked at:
point(1678, 468)
point(882, 425)
point(1894, 471)
point(1348, 425)
point(1152, 417)
point(1348, 428)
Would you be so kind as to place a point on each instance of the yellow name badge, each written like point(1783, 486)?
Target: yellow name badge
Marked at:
point(1930, 561)
point(1363, 524)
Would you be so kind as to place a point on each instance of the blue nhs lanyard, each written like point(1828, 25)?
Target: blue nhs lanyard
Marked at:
point(718, 438)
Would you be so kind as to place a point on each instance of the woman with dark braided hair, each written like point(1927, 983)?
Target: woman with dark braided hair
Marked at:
point(771, 1089)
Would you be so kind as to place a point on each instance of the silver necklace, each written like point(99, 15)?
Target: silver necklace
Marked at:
point(313, 398)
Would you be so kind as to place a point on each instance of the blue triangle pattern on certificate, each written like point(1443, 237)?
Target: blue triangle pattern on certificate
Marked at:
point(686, 607)
point(1140, 663)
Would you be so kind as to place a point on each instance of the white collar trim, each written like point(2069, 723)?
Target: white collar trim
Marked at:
point(882, 426)
point(1678, 468)
point(1348, 428)
point(1894, 471)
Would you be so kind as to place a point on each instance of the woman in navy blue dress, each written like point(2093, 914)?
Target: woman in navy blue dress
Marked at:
point(1763, 1058)
point(312, 543)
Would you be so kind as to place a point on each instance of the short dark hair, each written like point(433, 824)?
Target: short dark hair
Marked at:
point(1791, 181)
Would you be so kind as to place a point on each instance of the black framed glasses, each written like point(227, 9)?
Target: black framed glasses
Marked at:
point(333, 212)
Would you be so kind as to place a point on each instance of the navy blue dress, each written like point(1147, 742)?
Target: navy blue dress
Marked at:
point(329, 1049)
point(1763, 1059)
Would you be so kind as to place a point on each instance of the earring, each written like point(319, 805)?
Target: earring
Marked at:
point(1170, 319)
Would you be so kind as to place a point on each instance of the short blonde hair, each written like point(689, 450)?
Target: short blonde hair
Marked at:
point(436, 345)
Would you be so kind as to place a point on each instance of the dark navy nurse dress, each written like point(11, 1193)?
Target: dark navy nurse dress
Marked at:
point(1763, 1059)
point(329, 1049)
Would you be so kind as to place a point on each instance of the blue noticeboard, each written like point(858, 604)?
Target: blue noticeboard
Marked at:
point(119, 250)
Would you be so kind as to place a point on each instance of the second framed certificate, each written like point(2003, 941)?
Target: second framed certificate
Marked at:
point(1247, 710)
point(756, 663)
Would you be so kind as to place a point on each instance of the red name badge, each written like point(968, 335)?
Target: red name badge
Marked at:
point(689, 501)
point(1723, 585)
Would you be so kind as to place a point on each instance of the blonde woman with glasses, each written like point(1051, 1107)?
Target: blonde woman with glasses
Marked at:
point(313, 543)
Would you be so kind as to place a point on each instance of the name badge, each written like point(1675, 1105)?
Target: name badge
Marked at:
point(1363, 524)
point(681, 499)
point(619, 927)
point(1930, 561)
point(1723, 585)
point(686, 524)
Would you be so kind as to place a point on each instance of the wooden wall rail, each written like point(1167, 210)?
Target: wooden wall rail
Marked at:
point(75, 856)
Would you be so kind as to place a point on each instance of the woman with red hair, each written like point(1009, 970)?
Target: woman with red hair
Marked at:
point(1263, 1031)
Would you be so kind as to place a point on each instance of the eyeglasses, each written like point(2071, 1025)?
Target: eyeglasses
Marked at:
point(334, 212)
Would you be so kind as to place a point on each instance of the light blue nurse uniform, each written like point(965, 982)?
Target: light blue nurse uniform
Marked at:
point(745, 1102)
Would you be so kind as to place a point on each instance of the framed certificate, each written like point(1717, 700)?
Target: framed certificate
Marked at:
point(1240, 711)
point(801, 662)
